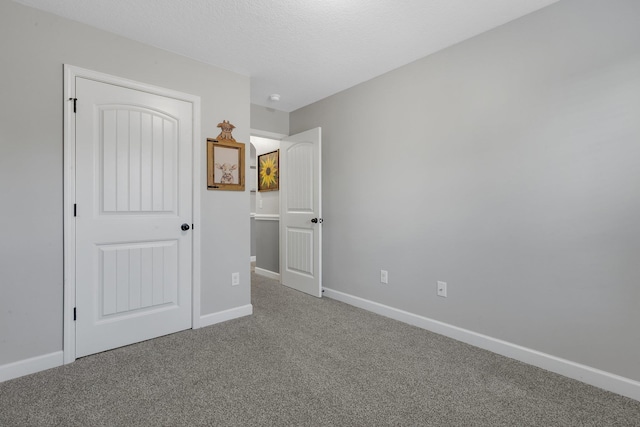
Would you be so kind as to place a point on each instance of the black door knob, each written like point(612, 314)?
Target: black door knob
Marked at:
point(314, 220)
point(185, 227)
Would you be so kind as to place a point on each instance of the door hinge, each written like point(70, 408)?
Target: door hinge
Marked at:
point(75, 103)
point(75, 210)
point(74, 313)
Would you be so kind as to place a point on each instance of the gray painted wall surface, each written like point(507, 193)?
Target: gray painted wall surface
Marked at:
point(268, 245)
point(253, 236)
point(34, 46)
point(269, 119)
point(507, 166)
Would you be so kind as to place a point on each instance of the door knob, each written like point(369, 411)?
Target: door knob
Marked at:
point(185, 227)
point(317, 220)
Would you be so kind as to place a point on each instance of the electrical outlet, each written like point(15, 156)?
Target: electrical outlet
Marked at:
point(235, 279)
point(384, 276)
point(442, 289)
point(260, 203)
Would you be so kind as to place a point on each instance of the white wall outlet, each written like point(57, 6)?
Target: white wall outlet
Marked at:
point(235, 279)
point(384, 276)
point(442, 289)
point(260, 203)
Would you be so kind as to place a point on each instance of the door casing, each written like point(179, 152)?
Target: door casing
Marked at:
point(70, 74)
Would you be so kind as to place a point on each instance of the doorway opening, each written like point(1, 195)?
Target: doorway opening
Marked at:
point(265, 213)
point(288, 226)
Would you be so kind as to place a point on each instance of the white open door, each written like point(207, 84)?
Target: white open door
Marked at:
point(133, 260)
point(301, 212)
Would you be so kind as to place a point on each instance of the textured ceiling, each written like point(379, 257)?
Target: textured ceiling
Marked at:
point(304, 50)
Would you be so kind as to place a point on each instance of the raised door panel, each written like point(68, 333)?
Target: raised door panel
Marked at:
point(138, 161)
point(134, 277)
point(300, 189)
point(299, 256)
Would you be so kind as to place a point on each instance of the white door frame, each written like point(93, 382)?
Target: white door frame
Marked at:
point(70, 74)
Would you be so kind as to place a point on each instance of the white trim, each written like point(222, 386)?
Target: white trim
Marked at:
point(70, 74)
point(196, 256)
point(252, 215)
point(223, 316)
point(267, 273)
point(69, 230)
point(31, 365)
point(252, 258)
point(266, 134)
point(267, 217)
point(595, 377)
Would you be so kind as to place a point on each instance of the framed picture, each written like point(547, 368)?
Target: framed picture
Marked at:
point(225, 165)
point(269, 171)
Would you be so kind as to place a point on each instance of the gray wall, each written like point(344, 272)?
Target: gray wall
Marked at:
point(252, 233)
point(268, 245)
point(34, 46)
point(269, 119)
point(507, 166)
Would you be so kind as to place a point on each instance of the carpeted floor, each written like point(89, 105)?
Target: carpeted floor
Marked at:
point(305, 362)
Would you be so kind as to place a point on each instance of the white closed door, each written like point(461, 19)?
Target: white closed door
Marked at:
point(133, 194)
point(301, 212)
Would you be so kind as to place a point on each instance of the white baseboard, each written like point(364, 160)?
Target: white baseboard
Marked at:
point(52, 360)
point(223, 316)
point(596, 377)
point(31, 365)
point(267, 273)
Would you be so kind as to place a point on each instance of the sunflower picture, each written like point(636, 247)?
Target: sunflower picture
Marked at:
point(268, 173)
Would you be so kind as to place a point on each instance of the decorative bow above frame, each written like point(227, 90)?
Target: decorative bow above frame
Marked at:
point(226, 127)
